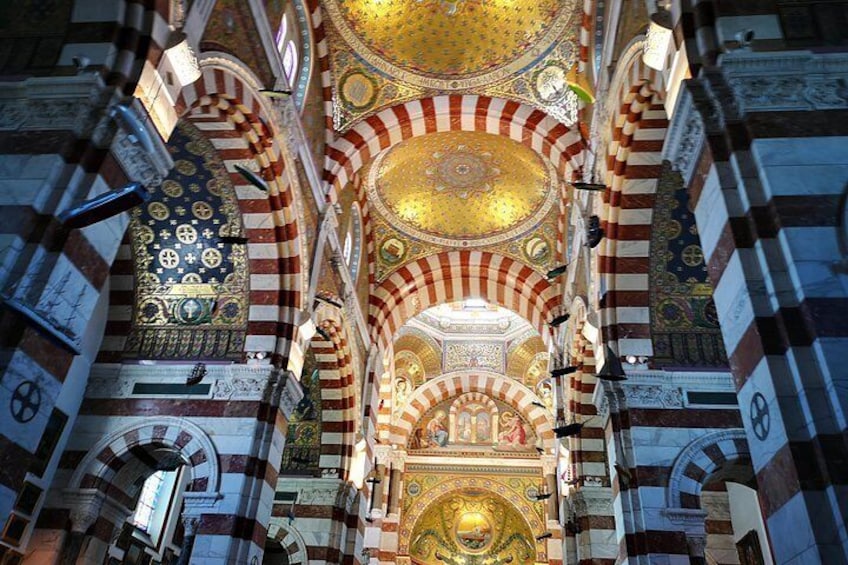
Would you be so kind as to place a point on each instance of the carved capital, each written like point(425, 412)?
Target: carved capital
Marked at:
point(697, 544)
point(85, 506)
point(291, 394)
point(690, 520)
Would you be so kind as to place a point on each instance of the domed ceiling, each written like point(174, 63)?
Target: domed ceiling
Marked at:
point(386, 52)
point(461, 188)
point(449, 38)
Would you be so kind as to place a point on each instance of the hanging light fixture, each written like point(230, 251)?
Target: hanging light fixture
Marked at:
point(658, 39)
point(182, 58)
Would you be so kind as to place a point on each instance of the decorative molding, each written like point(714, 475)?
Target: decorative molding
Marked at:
point(85, 505)
point(76, 103)
point(685, 138)
point(692, 520)
point(652, 396)
point(291, 394)
point(592, 501)
point(150, 169)
point(229, 382)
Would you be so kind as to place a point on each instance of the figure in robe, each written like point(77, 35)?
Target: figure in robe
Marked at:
point(437, 431)
point(512, 431)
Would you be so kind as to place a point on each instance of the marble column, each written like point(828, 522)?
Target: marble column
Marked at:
point(190, 524)
point(398, 465)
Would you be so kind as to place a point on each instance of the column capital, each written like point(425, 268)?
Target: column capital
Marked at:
point(85, 506)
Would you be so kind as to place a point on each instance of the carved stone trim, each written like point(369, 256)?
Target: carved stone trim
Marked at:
point(690, 520)
point(85, 506)
point(148, 168)
point(685, 138)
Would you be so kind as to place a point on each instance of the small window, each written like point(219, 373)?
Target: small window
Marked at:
point(290, 61)
point(281, 33)
point(143, 515)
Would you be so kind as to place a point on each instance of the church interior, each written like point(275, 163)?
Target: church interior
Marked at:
point(423, 282)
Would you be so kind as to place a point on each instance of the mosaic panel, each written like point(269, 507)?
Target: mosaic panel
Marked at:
point(191, 287)
point(230, 23)
point(363, 84)
point(684, 321)
point(462, 355)
point(427, 487)
point(472, 424)
point(303, 440)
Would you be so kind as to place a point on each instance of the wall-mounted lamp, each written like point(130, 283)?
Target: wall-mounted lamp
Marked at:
point(182, 58)
point(657, 40)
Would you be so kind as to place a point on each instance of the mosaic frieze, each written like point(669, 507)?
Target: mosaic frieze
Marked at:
point(472, 424)
point(684, 321)
point(191, 283)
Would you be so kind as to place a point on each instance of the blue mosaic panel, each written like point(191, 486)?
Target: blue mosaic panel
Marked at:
point(191, 286)
point(684, 322)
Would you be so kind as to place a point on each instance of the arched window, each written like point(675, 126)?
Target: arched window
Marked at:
point(147, 501)
point(290, 61)
point(281, 33)
point(352, 248)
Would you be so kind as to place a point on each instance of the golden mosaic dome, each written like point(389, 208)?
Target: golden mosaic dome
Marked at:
point(456, 188)
point(449, 39)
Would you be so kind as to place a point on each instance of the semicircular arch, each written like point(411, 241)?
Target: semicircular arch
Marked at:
point(459, 275)
point(458, 383)
point(107, 457)
point(551, 139)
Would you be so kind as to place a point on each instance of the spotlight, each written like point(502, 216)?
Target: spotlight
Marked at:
point(233, 239)
point(136, 129)
point(611, 369)
point(559, 372)
point(275, 93)
point(744, 37)
point(539, 404)
point(544, 536)
point(104, 206)
point(589, 186)
point(543, 496)
point(568, 430)
point(252, 178)
point(561, 319)
point(329, 301)
point(594, 233)
point(323, 333)
point(541, 450)
point(557, 271)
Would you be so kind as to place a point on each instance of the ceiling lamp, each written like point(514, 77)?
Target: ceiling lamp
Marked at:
point(657, 40)
point(182, 58)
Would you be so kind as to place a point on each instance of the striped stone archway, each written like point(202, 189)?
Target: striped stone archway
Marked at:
point(458, 275)
point(556, 142)
point(634, 162)
point(491, 384)
point(227, 108)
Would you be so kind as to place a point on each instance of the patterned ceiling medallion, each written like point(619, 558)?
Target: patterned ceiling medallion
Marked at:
point(550, 84)
point(461, 188)
point(452, 44)
point(358, 90)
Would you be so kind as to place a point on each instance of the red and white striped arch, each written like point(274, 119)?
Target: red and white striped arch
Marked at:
point(467, 112)
point(459, 275)
point(634, 163)
point(489, 384)
point(338, 395)
point(232, 116)
point(102, 466)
